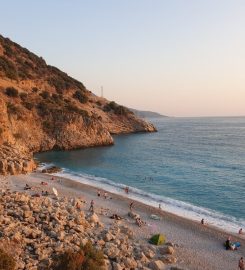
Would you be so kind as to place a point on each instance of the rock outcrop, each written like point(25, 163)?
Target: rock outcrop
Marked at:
point(13, 161)
point(42, 108)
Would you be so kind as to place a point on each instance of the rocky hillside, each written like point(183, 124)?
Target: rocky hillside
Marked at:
point(42, 108)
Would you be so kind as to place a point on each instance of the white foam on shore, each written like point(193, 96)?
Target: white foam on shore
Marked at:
point(182, 209)
point(42, 166)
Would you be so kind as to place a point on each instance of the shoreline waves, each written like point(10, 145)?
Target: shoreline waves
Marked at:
point(179, 208)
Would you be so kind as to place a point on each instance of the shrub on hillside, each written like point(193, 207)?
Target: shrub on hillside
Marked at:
point(13, 109)
point(110, 106)
point(12, 92)
point(80, 96)
point(8, 68)
point(58, 84)
point(121, 110)
point(8, 51)
point(34, 89)
point(23, 96)
point(7, 262)
point(69, 261)
point(93, 258)
point(28, 105)
point(88, 258)
point(45, 94)
point(117, 109)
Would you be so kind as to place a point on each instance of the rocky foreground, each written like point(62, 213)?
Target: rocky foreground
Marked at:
point(39, 228)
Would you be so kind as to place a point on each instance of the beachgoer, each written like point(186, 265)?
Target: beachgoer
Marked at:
point(228, 243)
point(27, 187)
point(78, 205)
point(159, 206)
point(45, 193)
point(202, 221)
point(241, 264)
point(138, 222)
point(105, 195)
point(115, 216)
point(98, 193)
point(91, 208)
point(240, 231)
point(131, 206)
point(44, 183)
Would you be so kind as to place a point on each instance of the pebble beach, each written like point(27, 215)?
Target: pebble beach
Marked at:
point(196, 246)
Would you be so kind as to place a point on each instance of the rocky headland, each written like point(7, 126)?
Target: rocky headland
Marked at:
point(42, 108)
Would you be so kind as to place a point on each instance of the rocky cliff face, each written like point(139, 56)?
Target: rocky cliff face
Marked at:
point(42, 108)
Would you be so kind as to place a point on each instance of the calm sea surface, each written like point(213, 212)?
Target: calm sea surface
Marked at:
point(194, 167)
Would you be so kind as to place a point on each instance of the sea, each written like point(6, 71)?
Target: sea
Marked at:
point(192, 167)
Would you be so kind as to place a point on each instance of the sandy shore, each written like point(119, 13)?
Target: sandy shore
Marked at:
point(197, 246)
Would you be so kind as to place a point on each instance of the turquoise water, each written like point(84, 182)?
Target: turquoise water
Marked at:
point(194, 167)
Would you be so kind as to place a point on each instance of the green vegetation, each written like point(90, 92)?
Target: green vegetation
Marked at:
point(45, 94)
point(80, 96)
point(23, 96)
point(7, 262)
point(12, 92)
point(28, 105)
point(69, 261)
point(34, 89)
point(88, 258)
point(12, 109)
point(117, 109)
point(93, 258)
point(8, 68)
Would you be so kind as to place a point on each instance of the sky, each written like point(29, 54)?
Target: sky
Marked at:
point(179, 58)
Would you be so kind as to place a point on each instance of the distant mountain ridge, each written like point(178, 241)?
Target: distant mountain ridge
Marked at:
point(42, 108)
point(145, 114)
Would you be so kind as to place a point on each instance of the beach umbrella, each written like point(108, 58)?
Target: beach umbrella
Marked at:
point(158, 239)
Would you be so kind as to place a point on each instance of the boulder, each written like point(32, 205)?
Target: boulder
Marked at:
point(169, 259)
point(166, 250)
point(157, 265)
point(93, 218)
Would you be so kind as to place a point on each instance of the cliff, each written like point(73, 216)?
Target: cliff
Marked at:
point(42, 108)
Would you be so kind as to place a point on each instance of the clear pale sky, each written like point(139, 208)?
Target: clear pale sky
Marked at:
point(176, 57)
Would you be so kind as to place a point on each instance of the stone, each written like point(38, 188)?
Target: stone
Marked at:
point(149, 253)
point(169, 259)
point(27, 214)
point(166, 250)
point(116, 266)
point(108, 237)
point(157, 265)
point(130, 263)
point(93, 218)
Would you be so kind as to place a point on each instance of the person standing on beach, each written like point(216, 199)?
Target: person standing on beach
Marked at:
point(91, 208)
point(241, 264)
point(131, 206)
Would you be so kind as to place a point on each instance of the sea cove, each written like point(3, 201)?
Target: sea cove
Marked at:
point(193, 167)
